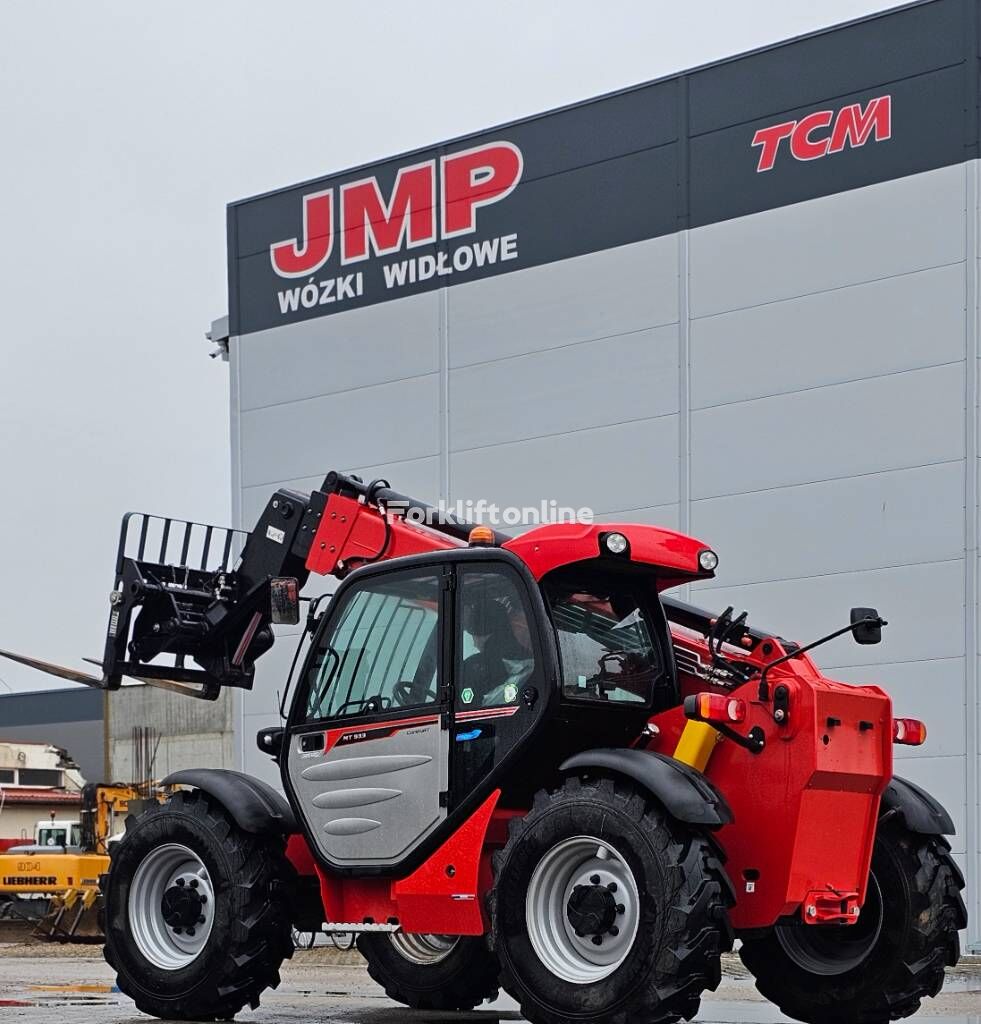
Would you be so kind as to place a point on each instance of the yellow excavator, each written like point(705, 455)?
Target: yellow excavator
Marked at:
point(58, 886)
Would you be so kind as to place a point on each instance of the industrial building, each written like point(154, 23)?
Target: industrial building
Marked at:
point(741, 302)
point(113, 737)
point(71, 718)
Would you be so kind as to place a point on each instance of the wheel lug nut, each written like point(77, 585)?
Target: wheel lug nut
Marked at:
point(201, 919)
point(190, 931)
point(612, 887)
point(614, 930)
point(194, 883)
point(178, 931)
point(597, 940)
point(202, 897)
point(621, 908)
point(180, 883)
point(595, 879)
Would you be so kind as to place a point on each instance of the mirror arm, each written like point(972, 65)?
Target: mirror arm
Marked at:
point(764, 693)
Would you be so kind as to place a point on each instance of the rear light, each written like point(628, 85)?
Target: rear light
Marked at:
point(909, 731)
point(715, 707)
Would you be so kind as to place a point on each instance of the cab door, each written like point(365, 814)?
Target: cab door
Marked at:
point(368, 747)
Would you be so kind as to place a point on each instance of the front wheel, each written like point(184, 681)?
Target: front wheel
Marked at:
point(879, 968)
point(605, 910)
point(197, 912)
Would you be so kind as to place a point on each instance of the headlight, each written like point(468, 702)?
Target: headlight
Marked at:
point(616, 543)
point(708, 560)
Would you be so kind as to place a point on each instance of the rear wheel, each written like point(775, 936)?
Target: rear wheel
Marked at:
point(882, 966)
point(197, 912)
point(606, 910)
point(431, 972)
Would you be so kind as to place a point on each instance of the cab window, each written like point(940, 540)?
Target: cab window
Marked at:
point(495, 651)
point(381, 652)
point(606, 643)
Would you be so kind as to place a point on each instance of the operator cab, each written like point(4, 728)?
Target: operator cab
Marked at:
point(434, 679)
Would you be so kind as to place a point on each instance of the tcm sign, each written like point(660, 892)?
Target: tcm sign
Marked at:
point(825, 132)
point(370, 224)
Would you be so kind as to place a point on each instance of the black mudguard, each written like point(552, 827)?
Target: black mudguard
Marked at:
point(254, 805)
point(919, 811)
point(685, 793)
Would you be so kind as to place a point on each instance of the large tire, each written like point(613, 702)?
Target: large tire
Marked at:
point(660, 934)
point(905, 936)
point(431, 972)
point(171, 856)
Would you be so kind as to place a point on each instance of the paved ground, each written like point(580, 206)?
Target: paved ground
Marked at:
point(52, 985)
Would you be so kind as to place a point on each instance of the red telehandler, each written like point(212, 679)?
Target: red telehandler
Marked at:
point(515, 762)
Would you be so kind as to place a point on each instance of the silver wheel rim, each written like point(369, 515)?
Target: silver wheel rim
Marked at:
point(170, 867)
point(833, 949)
point(424, 949)
point(580, 861)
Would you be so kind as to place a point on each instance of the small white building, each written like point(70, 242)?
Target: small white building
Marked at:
point(38, 782)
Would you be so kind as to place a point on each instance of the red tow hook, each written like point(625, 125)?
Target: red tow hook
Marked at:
point(831, 907)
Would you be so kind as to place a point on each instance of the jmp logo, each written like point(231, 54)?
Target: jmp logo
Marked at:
point(414, 213)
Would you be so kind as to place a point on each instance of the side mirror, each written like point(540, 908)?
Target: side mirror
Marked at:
point(867, 626)
point(270, 741)
point(284, 601)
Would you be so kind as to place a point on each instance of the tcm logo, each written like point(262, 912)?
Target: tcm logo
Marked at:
point(370, 224)
point(824, 132)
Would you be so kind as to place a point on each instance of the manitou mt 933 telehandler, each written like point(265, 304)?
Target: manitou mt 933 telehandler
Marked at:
point(515, 762)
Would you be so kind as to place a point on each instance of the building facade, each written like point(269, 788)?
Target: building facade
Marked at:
point(741, 302)
point(39, 783)
point(72, 719)
point(123, 735)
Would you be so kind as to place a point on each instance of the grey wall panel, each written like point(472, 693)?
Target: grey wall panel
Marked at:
point(368, 426)
point(805, 71)
point(418, 478)
point(830, 337)
point(621, 467)
point(864, 522)
point(254, 499)
point(930, 690)
point(613, 380)
point(349, 350)
point(922, 603)
point(666, 516)
point(254, 762)
point(891, 228)
point(595, 296)
point(271, 672)
point(944, 777)
point(903, 420)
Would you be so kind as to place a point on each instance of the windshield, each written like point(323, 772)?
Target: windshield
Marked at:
point(379, 651)
point(606, 642)
point(58, 836)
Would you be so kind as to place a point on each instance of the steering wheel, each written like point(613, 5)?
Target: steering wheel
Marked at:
point(368, 706)
point(404, 694)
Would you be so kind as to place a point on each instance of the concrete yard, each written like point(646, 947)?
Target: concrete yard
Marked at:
point(44, 984)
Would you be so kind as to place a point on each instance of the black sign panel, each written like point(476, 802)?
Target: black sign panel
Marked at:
point(889, 96)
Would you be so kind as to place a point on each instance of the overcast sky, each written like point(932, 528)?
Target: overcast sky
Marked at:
point(125, 129)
